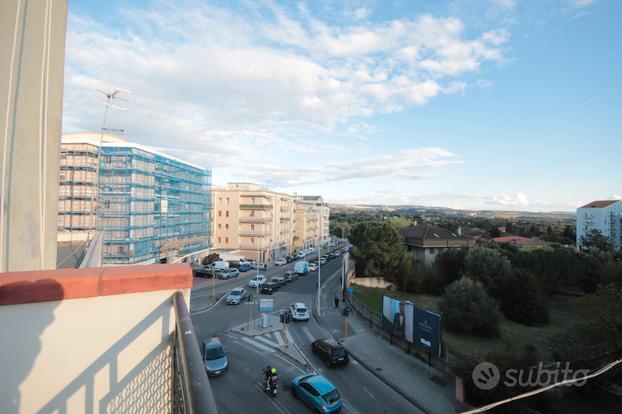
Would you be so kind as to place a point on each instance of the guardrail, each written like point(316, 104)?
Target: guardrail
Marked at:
point(192, 393)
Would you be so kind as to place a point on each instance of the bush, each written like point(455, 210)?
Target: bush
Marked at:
point(521, 299)
point(467, 308)
point(449, 265)
point(485, 264)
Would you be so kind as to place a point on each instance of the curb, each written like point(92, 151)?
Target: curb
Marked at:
point(390, 383)
point(195, 312)
point(291, 358)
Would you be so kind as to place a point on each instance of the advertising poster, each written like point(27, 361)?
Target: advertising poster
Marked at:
point(427, 330)
point(397, 318)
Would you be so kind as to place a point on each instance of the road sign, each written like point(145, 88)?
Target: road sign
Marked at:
point(266, 305)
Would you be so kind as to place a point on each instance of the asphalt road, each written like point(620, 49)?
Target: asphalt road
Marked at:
point(240, 390)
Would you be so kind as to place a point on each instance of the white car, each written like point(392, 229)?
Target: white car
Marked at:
point(299, 311)
point(312, 267)
point(236, 296)
point(280, 262)
point(257, 281)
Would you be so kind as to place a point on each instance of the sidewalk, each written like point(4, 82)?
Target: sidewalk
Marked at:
point(426, 387)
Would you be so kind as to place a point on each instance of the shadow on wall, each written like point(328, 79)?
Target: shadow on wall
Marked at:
point(146, 388)
point(21, 342)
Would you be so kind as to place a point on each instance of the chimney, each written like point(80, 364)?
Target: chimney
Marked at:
point(459, 230)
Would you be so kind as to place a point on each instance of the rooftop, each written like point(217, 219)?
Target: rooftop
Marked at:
point(599, 204)
point(428, 232)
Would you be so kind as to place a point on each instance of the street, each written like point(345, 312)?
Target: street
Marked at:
point(240, 389)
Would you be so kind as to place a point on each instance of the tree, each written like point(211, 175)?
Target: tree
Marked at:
point(467, 308)
point(450, 265)
point(521, 298)
point(486, 265)
point(340, 228)
point(210, 258)
point(595, 240)
point(379, 250)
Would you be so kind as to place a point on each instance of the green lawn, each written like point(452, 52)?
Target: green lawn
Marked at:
point(564, 313)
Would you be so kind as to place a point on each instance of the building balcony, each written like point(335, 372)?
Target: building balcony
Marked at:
point(252, 247)
point(256, 206)
point(255, 219)
point(101, 340)
point(253, 233)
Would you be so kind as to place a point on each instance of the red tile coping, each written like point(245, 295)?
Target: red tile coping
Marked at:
point(60, 284)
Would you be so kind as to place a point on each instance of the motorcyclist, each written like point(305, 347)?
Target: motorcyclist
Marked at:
point(271, 377)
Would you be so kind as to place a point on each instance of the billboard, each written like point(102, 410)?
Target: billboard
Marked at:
point(397, 318)
point(428, 330)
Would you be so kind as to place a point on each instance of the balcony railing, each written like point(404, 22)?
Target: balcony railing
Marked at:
point(250, 233)
point(255, 219)
point(255, 206)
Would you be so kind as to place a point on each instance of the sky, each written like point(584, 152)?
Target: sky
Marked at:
point(488, 104)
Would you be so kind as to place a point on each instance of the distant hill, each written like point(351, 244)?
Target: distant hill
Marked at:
point(411, 210)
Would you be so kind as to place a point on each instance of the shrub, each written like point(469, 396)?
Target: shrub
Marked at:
point(521, 298)
point(467, 308)
point(486, 265)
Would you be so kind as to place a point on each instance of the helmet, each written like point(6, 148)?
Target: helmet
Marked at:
point(273, 370)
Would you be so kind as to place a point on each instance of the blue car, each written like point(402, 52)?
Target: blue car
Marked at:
point(215, 357)
point(317, 392)
point(245, 267)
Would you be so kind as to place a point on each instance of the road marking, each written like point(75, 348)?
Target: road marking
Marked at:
point(289, 337)
point(370, 394)
point(307, 333)
point(354, 362)
point(258, 345)
point(266, 341)
point(349, 406)
point(261, 388)
point(278, 338)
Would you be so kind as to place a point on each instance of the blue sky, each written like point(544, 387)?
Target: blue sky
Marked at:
point(490, 104)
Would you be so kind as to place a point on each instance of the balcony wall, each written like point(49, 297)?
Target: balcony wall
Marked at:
point(89, 340)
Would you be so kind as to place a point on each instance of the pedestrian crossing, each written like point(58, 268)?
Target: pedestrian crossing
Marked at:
point(268, 342)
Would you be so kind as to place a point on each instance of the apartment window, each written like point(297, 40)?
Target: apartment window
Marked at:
point(219, 200)
point(226, 226)
point(227, 200)
point(253, 200)
point(252, 213)
point(219, 225)
point(219, 240)
point(227, 213)
point(226, 240)
point(252, 240)
point(252, 227)
point(219, 213)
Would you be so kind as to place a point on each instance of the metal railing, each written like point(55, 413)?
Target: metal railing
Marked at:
point(192, 393)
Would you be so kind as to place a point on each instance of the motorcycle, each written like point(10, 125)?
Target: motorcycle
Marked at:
point(271, 383)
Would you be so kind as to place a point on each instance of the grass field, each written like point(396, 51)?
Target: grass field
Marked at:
point(564, 313)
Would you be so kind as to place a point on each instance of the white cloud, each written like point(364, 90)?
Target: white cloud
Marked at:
point(519, 199)
point(229, 85)
point(616, 197)
point(507, 4)
point(582, 3)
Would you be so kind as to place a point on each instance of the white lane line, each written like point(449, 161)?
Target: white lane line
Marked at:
point(289, 337)
point(307, 333)
point(271, 399)
point(266, 341)
point(370, 394)
point(279, 339)
point(354, 361)
point(347, 404)
point(257, 345)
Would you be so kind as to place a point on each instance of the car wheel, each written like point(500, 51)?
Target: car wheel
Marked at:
point(294, 392)
point(328, 363)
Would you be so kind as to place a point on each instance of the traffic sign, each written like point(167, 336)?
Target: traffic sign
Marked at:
point(266, 305)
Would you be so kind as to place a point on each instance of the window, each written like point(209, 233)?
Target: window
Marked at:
point(219, 200)
point(252, 240)
point(252, 227)
point(226, 240)
point(227, 213)
point(252, 213)
point(253, 200)
point(219, 225)
point(226, 226)
point(219, 240)
point(227, 200)
point(219, 213)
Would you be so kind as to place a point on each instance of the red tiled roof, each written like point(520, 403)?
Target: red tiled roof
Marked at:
point(599, 203)
point(521, 241)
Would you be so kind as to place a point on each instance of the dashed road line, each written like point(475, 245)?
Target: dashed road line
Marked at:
point(266, 341)
point(305, 330)
point(258, 345)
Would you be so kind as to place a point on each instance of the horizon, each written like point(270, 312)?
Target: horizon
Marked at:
point(496, 105)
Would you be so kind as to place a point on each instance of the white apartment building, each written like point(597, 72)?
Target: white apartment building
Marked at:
point(255, 222)
point(603, 215)
point(312, 222)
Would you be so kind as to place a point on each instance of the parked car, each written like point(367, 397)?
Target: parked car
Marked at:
point(228, 273)
point(301, 267)
point(301, 254)
point(278, 280)
point(268, 288)
point(299, 311)
point(259, 266)
point(290, 259)
point(215, 357)
point(245, 267)
point(258, 280)
point(322, 260)
point(236, 296)
point(312, 267)
point(317, 393)
point(203, 271)
point(280, 262)
point(331, 351)
point(290, 276)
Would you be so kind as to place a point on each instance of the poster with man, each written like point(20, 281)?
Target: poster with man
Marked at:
point(397, 318)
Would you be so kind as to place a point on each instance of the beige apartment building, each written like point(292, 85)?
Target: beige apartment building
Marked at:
point(255, 222)
point(312, 216)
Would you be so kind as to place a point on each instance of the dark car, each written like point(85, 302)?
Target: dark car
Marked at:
point(203, 271)
point(290, 259)
point(290, 276)
point(330, 351)
point(268, 288)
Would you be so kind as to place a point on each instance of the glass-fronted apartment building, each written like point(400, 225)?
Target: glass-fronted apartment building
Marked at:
point(150, 207)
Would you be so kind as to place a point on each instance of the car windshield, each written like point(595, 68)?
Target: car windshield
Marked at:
point(235, 293)
point(331, 397)
point(301, 309)
point(214, 353)
point(339, 352)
